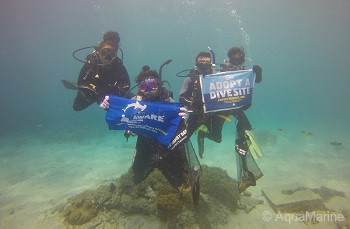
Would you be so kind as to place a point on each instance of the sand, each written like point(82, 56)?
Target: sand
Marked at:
point(40, 171)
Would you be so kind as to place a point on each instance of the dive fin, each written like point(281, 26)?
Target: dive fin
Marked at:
point(253, 146)
point(73, 86)
point(203, 128)
point(70, 85)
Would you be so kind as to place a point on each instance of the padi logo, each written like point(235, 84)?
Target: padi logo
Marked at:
point(140, 117)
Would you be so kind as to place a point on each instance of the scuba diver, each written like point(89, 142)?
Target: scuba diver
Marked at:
point(248, 171)
point(149, 153)
point(208, 125)
point(103, 73)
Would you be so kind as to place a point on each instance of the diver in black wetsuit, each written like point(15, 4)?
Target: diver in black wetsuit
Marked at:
point(210, 125)
point(103, 73)
point(236, 59)
point(149, 153)
point(191, 97)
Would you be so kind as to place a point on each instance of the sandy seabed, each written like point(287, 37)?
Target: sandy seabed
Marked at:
point(40, 171)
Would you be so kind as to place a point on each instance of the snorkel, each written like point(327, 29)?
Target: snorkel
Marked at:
point(161, 68)
point(212, 59)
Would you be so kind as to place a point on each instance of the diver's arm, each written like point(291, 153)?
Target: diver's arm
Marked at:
point(123, 81)
point(185, 93)
point(85, 75)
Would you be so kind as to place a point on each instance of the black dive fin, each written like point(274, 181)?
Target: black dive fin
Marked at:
point(70, 85)
point(73, 86)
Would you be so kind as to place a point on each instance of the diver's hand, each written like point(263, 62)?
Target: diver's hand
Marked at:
point(105, 104)
point(258, 71)
point(183, 112)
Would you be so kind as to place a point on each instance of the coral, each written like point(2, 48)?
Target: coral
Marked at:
point(169, 205)
point(159, 183)
point(85, 206)
point(155, 197)
point(77, 215)
point(218, 184)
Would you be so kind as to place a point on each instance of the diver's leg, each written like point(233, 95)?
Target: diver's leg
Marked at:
point(242, 121)
point(215, 129)
point(241, 148)
point(81, 101)
point(192, 124)
point(200, 141)
point(175, 168)
point(214, 126)
point(142, 164)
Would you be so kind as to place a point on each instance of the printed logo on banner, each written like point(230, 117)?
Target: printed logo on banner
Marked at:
point(138, 118)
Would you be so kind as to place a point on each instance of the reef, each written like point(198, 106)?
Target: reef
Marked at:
point(121, 203)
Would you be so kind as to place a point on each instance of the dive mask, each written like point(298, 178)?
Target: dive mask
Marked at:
point(148, 85)
point(108, 53)
point(237, 61)
point(203, 66)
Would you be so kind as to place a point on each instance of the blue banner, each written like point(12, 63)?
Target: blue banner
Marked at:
point(158, 120)
point(227, 90)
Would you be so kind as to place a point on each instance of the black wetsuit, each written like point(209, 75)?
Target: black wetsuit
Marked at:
point(243, 123)
point(150, 154)
point(110, 79)
point(191, 97)
point(246, 172)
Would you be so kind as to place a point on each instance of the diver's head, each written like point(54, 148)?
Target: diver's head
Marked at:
point(236, 55)
point(148, 82)
point(106, 52)
point(113, 37)
point(203, 63)
point(107, 48)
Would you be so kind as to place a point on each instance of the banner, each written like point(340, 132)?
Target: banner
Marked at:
point(227, 90)
point(158, 120)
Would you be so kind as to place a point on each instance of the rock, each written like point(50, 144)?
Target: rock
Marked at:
point(293, 200)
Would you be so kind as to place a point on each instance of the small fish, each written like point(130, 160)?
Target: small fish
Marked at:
point(306, 133)
point(336, 143)
point(280, 131)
